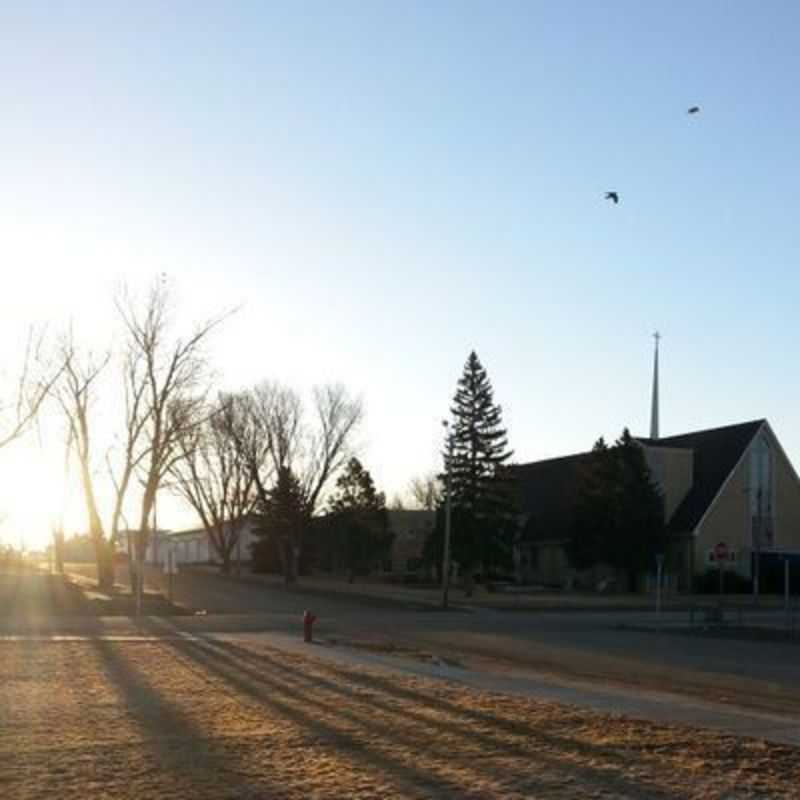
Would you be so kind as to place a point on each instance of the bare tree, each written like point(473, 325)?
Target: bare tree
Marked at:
point(173, 377)
point(337, 417)
point(426, 491)
point(214, 474)
point(20, 407)
point(75, 393)
point(277, 437)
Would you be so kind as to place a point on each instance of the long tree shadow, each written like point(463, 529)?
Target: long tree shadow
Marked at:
point(390, 688)
point(178, 745)
point(352, 746)
point(470, 738)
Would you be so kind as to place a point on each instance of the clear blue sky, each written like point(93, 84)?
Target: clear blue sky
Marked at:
point(388, 185)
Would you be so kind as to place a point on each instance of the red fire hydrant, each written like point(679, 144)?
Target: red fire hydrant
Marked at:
point(308, 623)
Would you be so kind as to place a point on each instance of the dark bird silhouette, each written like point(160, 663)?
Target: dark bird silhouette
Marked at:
point(612, 196)
point(694, 110)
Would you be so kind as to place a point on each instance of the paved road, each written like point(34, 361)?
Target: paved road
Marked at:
point(583, 646)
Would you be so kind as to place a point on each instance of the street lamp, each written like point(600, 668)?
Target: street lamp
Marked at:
point(447, 511)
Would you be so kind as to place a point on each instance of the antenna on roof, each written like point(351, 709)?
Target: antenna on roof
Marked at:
point(654, 406)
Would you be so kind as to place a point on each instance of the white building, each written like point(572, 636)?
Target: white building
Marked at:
point(193, 546)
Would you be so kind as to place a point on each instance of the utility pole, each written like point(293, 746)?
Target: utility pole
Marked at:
point(757, 531)
point(659, 579)
point(447, 515)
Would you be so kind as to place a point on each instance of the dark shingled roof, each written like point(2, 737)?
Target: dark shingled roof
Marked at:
point(548, 489)
point(716, 453)
point(548, 492)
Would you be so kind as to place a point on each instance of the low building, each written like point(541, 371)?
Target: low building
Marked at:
point(733, 485)
point(192, 546)
point(411, 529)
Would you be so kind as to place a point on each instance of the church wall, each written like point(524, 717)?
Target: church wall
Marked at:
point(672, 468)
point(787, 505)
point(727, 521)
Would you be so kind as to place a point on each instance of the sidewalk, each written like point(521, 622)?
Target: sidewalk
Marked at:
point(634, 703)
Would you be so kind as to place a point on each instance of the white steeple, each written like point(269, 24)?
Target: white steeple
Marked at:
point(654, 407)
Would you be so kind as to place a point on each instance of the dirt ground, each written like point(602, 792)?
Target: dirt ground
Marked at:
point(195, 718)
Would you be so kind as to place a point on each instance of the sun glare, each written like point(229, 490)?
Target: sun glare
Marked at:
point(34, 500)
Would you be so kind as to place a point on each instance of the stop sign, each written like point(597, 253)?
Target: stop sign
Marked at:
point(721, 551)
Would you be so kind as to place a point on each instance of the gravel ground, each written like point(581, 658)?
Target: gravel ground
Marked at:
point(193, 719)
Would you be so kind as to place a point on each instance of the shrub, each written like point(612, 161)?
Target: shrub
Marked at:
point(708, 582)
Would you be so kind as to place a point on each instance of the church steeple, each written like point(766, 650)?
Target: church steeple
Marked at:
point(654, 406)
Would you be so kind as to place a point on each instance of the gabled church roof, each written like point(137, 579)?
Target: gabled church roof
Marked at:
point(717, 451)
point(548, 489)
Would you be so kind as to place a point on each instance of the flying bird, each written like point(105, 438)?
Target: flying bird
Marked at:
point(612, 196)
point(694, 110)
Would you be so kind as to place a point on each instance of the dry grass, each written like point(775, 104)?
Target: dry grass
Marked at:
point(209, 719)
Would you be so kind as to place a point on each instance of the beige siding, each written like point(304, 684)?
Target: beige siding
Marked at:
point(672, 469)
point(727, 521)
point(787, 504)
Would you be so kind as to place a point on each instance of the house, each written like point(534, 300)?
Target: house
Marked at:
point(733, 485)
point(192, 546)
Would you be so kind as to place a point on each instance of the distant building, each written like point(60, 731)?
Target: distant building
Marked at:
point(732, 484)
point(410, 528)
point(192, 546)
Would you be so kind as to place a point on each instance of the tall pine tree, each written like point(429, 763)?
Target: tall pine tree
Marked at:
point(284, 519)
point(483, 519)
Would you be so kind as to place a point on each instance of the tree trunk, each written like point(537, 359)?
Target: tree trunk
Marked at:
point(58, 551)
point(103, 559)
point(105, 564)
point(290, 564)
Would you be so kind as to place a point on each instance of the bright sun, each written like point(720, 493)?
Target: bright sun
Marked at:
point(33, 497)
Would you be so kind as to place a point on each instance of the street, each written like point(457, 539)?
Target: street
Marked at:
point(587, 645)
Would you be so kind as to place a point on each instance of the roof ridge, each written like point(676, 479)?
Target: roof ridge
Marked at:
point(718, 429)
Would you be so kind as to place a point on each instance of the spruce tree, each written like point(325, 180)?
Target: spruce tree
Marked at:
point(359, 519)
point(483, 518)
point(284, 519)
point(619, 513)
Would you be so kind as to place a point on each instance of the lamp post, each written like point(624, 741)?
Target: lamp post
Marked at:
point(659, 579)
point(447, 512)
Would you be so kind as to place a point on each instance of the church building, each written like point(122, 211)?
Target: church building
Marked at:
point(732, 486)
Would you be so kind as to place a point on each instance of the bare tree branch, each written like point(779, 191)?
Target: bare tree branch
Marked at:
point(30, 392)
point(214, 475)
point(425, 491)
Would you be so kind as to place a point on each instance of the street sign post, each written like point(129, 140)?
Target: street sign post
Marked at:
point(659, 576)
point(170, 567)
point(721, 555)
point(787, 589)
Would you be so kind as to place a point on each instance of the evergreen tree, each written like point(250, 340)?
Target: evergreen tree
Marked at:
point(483, 520)
point(619, 515)
point(284, 520)
point(359, 519)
